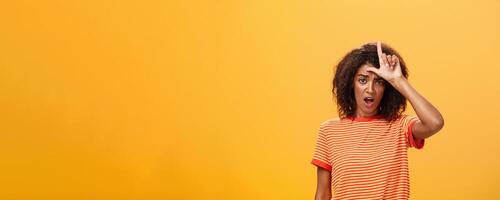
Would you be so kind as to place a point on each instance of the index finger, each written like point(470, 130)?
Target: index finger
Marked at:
point(379, 50)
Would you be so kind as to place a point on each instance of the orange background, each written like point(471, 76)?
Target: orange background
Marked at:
point(222, 99)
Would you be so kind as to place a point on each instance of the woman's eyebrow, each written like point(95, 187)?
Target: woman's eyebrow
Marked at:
point(366, 76)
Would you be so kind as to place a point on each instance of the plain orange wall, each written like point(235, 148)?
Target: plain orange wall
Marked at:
point(222, 99)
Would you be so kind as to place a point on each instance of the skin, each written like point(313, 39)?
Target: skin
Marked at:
point(430, 119)
point(367, 84)
point(323, 189)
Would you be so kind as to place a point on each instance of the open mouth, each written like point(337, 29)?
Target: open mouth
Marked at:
point(369, 101)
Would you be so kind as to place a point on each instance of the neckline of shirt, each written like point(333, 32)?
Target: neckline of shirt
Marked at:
point(365, 119)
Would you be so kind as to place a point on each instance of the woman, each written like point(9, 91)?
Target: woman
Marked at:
point(362, 154)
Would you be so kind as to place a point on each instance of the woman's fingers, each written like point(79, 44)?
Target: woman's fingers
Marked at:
point(389, 61)
point(379, 52)
point(393, 60)
point(382, 57)
point(396, 61)
point(385, 60)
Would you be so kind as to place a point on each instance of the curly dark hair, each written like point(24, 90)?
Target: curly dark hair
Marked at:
point(393, 103)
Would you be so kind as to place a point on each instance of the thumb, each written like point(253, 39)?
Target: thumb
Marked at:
point(374, 70)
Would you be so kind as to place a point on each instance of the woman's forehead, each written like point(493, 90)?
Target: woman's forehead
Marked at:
point(363, 71)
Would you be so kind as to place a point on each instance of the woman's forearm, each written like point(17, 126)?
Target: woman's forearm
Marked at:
point(322, 196)
point(431, 119)
point(323, 189)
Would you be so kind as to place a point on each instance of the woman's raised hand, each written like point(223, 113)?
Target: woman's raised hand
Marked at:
point(390, 69)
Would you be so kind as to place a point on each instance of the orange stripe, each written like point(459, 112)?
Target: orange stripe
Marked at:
point(366, 156)
point(321, 164)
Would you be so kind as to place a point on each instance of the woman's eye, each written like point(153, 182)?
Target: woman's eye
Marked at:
point(381, 82)
point(362, 80)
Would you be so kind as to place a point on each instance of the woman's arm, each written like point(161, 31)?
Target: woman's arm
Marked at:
point(323, 189)
point(430, 120)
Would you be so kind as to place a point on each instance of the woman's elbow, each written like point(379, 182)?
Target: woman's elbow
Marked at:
point(438, 124)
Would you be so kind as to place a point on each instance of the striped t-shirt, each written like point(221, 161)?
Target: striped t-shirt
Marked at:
point(367, 156)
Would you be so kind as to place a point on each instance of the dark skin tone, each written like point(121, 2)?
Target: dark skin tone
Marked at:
point(323, 190)
point(430, 119)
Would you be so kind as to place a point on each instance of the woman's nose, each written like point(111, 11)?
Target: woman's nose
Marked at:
point(369, 88)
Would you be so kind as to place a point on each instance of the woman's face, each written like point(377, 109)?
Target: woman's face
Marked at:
point(368, 91)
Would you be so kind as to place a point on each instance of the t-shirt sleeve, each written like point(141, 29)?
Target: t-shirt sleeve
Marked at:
point(321, 156)
point(408, 122)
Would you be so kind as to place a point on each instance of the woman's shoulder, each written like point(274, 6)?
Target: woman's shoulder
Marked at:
point(332, 120)
point(330, 123)
point(404, 118)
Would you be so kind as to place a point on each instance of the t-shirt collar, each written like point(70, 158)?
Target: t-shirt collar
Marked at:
point(365, 119)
